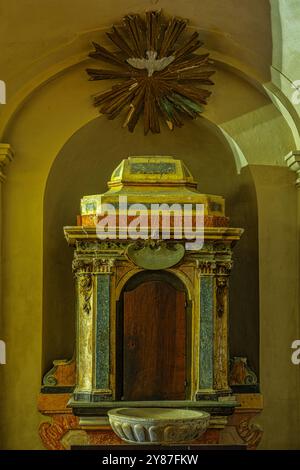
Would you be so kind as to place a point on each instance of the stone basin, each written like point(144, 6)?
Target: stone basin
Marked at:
point(158, 425)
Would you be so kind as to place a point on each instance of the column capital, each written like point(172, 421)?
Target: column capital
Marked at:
point(6, 156)
point(103, 265)
point(292, 160)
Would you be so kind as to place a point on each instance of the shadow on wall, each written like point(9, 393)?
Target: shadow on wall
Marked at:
point(84, 165)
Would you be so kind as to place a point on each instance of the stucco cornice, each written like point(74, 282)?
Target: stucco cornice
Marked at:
point(6, 156)
point(292, 160)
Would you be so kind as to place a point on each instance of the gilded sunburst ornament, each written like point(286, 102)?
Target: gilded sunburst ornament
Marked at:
point(161, 75)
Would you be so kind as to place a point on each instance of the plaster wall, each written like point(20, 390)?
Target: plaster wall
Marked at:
point(37, 133)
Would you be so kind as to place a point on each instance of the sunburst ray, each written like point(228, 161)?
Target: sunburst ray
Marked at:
point(163, 77)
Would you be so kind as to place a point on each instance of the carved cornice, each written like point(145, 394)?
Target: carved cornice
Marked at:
point(6, 156)
point(292, 160)
point(86, 246)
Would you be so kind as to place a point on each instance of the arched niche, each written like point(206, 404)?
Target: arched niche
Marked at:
point(84, 165)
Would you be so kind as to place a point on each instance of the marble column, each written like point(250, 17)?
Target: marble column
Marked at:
point(84, 285)
point(213, 271)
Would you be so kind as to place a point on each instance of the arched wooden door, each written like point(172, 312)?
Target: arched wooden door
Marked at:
point(154, 342)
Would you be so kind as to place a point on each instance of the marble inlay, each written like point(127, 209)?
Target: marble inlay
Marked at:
point(153, 168)
point(206, 332)
point(102, 331)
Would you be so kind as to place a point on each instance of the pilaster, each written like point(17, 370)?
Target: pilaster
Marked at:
point(103, 269)
point(6, 156)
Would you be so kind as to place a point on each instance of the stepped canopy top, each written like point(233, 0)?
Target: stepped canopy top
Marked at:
point(153, 180)
point(149, 170)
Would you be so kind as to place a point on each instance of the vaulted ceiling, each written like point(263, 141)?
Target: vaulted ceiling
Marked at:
point(32, 29)
point(258, 37)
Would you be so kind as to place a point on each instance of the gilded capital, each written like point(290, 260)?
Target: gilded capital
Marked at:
point(81, 266)
point(103, 265)
point(6, 156)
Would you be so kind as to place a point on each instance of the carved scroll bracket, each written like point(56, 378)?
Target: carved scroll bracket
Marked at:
point(250, 433)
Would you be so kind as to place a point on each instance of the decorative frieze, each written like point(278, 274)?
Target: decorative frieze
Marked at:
point(83, 246)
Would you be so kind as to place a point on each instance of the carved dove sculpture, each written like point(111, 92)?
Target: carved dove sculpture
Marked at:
point(151, 63)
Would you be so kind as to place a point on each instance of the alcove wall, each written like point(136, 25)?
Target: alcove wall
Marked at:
point(84, 165)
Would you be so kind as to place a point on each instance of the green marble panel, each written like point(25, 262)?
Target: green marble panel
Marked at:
point(102, 331)
point(206, 332)
point(153, 168)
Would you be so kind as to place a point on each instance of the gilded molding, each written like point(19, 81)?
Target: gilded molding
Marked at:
point(6, 156)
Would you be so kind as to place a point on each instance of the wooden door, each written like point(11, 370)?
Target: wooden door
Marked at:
point(154, 343)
